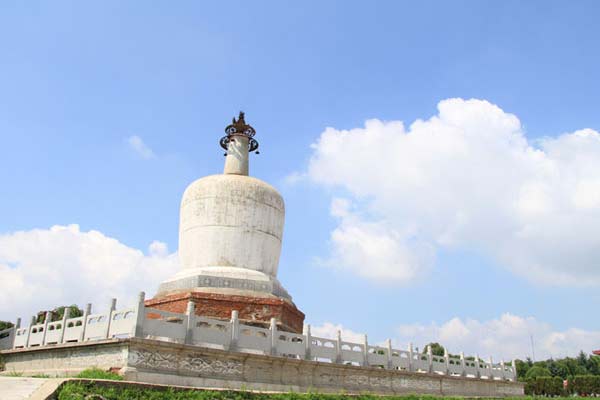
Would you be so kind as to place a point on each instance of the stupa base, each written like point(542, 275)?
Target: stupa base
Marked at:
point(253, 308)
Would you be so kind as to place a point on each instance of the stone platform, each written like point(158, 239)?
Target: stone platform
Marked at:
point(253, 309)
point(20, 388)
point(160, 362)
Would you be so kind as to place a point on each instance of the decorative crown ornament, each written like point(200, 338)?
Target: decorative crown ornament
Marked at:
point(239, 127)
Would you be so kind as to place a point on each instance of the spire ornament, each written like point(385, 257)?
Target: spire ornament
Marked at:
point(239, 127)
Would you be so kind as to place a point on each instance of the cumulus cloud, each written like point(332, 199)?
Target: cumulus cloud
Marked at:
point(373, 249)
point(330, 330)
point(44, 268)
point(506, 337)
point(137, 144)
point(465, 178)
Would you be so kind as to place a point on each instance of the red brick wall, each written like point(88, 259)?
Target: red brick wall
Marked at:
point(250, 309)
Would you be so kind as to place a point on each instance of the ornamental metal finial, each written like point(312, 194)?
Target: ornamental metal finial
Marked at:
point(239, 128)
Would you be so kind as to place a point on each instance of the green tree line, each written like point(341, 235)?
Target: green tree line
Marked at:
point(563, 367)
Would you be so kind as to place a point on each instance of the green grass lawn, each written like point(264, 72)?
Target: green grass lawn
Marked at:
point(87, 390)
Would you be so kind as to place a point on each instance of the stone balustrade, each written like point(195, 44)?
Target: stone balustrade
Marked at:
point(144, 322)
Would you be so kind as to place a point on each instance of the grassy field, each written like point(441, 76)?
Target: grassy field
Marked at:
point(96, 391)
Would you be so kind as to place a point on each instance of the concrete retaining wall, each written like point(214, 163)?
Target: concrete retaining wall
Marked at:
point(161, 362)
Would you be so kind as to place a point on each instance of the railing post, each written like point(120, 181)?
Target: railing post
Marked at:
point(447, 361)
point(140, 316)
point(86, 313)
point(463, 369)
point(274, 336)
point(429, 359)
point(31, 324)
point(410, 357)
point(113, 307)
point(389, 353)
point(17, 327)
point(514, 371)
point(365, 362)
point(478, 370)
point(235, 329)
point(64, 324)
point(338, 348)
point(46, 322)
point(308, 344)
point(189, 321)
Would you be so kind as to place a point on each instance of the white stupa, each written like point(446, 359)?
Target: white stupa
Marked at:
point(231, 227)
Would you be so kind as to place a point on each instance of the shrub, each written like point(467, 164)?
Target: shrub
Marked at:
point(557, 386)
point(544, 386)
point(536, 371)
point(585, 385)
point(530, 387)
point(97, 373)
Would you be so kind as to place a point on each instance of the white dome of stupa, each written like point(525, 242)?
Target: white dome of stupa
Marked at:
point(231, 226)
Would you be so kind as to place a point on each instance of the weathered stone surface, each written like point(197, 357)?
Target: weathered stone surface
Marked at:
point(66, 359)
point(230, 226)
point(176, 364)
point(252, 309)
point(18, 388)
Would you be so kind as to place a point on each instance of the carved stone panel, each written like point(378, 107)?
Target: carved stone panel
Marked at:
point(153, 359)
point(189, 362)
point(203, 365)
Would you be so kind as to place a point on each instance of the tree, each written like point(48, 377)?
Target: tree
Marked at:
point(558, 368)
point(436, 349)
point(537, 371)
point(522, 368)
point(593, 366)
point(5, 325)
point(58, 313)
point(529, 362)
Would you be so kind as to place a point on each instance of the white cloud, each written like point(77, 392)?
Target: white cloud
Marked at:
point(294, 178)
point(374, 249)
point(330, 330)
point(44, 268)
point(137, 144)
point(506, 337)
point(465, 178)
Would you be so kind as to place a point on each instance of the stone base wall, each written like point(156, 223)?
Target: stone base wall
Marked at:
point(251, 309)
point(66, 359)
point(160, 362)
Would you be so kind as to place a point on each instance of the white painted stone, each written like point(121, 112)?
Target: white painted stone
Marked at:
point(231, 221)
point(177, 364)
point(230, 230)
point(236, 161)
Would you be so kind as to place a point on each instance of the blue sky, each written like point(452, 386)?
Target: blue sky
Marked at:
point(77, 81)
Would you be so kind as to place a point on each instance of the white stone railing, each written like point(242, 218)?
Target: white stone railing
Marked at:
point(188, 328)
